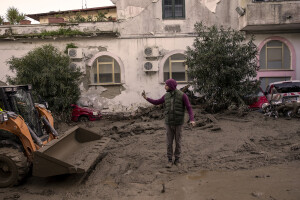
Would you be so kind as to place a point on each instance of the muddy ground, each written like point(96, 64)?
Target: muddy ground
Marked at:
point(226, 156)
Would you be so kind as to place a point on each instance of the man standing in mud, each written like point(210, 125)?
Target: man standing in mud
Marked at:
point(175, 103)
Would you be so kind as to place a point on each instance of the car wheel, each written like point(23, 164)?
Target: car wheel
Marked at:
point(83, 119)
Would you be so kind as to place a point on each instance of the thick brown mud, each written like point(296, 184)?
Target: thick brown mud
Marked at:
point(226, 156)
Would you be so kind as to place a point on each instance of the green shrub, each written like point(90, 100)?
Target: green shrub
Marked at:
point(69, 45)
point(222, 65)
point(47, 69)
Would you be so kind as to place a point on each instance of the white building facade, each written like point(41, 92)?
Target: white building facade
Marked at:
point(147, 44)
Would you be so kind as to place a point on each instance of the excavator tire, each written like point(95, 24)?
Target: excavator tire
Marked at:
point(13, 166)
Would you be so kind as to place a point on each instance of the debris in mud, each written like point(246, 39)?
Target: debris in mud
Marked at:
point(47, 192)
point(234, 119)
point(247, 147)
point(135, 165)
point(262, 176)
point(163, 188)
point(215, 128)
point(237, 111)
point(13, 197)
point(212, 118)
point(257, 194)
point(141, 114)
point(295, 147)
point(206, 126)
point(208, 121)
point(131, 129)
point(282, 108)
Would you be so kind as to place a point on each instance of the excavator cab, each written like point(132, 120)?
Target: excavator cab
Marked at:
point(28, 139)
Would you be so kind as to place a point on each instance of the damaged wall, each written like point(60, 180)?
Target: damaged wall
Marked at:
point(122, 97)
point(139, 26)
point(145, 17)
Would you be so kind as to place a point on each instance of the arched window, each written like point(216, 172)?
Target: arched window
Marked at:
point(175, 68)
point(275, 55)
point(106, 70)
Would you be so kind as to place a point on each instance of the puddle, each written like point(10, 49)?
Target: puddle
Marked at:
point(197, 176)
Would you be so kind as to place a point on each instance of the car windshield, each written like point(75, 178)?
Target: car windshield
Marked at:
point(287, 87)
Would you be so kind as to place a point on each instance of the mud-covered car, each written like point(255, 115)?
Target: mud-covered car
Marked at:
point(258, 100)
point(83, 114)
point(286, 91)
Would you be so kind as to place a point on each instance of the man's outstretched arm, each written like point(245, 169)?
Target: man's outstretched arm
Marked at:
point(157, 101)
point(153, 101)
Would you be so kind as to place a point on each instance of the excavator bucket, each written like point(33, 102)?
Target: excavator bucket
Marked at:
point(76, 151)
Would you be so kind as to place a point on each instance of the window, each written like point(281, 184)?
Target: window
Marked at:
point(173, 9)
point(267, 80)
point(175, 68)
point(106, 70)
point(275, 55)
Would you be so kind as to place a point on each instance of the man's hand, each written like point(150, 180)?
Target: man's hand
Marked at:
point(144, 94)
point(193, 123)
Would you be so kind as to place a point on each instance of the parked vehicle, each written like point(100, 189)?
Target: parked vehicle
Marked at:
point(260, 99)
point(283, 98)
point(289, 91)
point(270, 108)
point(277, 108)
point(83, 114)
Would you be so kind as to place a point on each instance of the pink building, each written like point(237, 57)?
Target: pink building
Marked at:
point(276, 26)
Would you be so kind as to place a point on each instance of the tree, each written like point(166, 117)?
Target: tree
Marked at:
point(222, 66)
point(1, 20)
point(14, 16)
point(47, 69)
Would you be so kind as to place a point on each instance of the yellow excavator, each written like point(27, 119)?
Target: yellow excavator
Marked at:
point(28, 140)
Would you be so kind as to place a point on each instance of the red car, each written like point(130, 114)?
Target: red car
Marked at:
point(261, 99)
point(83, 114)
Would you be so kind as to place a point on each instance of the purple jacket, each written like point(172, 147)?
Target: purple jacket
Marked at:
point(171, 83)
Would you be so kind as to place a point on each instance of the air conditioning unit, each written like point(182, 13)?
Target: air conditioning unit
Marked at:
point(150, 66)
point(75, 52)
point(151, 52)
point(77, 65)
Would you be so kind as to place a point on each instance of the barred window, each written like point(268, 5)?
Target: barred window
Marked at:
point(173, 9)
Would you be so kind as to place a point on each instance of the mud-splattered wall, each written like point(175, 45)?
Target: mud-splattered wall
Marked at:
point(140, 26)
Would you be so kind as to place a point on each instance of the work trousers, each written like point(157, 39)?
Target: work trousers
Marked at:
point(173, 132)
